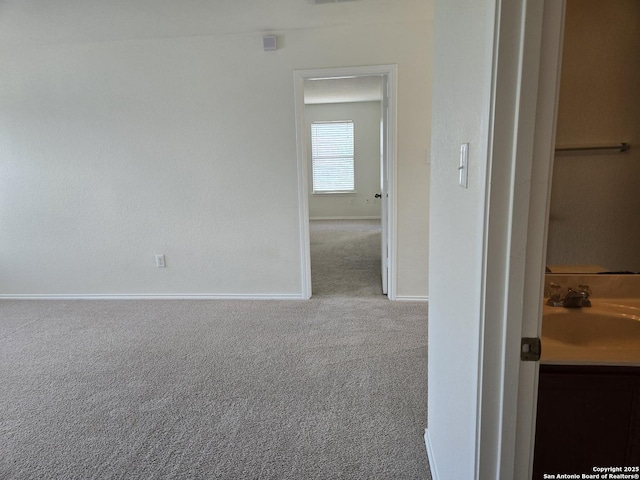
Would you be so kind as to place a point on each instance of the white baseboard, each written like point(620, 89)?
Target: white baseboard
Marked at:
point(164, 296)
point(430, 457)
point(152, 297)
point(345, 218)
point(411, 298)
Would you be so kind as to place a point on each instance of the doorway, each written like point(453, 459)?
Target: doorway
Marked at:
point(591, 174)
point(371, 92)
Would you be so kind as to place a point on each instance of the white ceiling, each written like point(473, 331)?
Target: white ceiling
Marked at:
point(343, 90)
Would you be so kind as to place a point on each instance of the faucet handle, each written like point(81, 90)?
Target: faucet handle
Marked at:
point(585, 289)
point(554, 295)
point(554, 291)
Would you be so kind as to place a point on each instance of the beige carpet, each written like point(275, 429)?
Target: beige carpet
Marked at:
point(345, 258)
point(331, 388)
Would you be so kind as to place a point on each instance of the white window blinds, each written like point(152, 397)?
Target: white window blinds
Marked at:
point(332, 156)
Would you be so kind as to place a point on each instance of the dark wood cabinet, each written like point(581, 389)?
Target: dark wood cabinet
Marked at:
point(587, 416)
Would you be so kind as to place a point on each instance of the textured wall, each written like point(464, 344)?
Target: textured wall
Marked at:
point(463, 33)
point(366, 118)
point(595, 206)
point(129, 129)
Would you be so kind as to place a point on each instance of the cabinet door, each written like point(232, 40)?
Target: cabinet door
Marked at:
point(587, 416)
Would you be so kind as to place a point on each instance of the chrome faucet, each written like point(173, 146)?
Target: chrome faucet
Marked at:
point(578, 298)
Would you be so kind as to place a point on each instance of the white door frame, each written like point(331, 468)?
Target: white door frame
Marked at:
point(525, 89)
point(299, 76)
point(538, 222)
point(384, 184)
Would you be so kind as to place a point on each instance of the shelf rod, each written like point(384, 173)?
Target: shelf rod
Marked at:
point(622, 147)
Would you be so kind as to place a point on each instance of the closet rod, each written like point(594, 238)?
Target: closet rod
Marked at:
point(622, 147)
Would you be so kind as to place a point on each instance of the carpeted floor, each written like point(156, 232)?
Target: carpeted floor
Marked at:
point(345, 258)
point(331, 388)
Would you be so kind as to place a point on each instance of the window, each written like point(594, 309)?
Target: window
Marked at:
point(332, 157)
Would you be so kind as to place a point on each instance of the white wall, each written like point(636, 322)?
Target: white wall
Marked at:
point(461, 99)
point(362, 203)
point(486, 266)
point(129, 129)
point(594, 204)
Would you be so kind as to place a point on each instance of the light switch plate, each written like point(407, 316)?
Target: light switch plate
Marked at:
point(160, 261)
point(463, 168)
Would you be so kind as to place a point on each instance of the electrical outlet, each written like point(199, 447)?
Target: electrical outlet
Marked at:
point(160, 261)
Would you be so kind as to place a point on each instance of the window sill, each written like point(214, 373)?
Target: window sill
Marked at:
point(352, 192)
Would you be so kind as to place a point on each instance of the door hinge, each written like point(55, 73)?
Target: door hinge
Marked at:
point(530, 349)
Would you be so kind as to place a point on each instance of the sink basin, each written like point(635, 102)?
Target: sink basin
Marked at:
point(608, 326)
